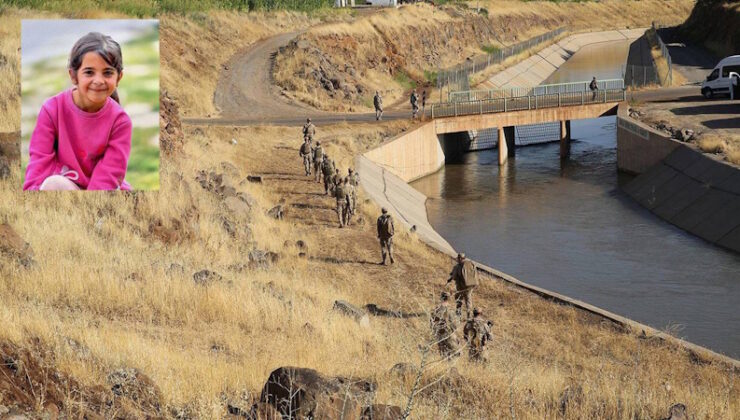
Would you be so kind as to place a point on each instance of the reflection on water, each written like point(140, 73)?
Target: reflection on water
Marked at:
point(567, 227)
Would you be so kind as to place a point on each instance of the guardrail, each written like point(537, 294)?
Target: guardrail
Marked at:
point(478, 95)
point(551, 100)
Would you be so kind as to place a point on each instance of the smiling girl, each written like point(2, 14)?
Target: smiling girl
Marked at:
point(82, 138)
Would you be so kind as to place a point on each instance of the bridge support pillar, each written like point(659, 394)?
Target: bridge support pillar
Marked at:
point(564, 139)
point(505, 144)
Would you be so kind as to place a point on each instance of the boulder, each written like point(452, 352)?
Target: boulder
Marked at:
point(262, 259)
point(236, 206)
point(677, 412)
point(276, 212)
point(300, 393)
point(255, 178)
point(264, 411)
point(139, 388)
point(351, 310)
point(206, 277)
point(382, 412)
point(12, 245)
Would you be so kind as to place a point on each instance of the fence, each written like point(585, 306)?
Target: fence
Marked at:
point(638, 76)
point(573, 87)
point(664, 51)
point(457, 77)
point(486, 106)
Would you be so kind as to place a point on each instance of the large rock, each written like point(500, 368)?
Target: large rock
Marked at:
point(139, 388)
point(171, 138)
point(12, 245)
point(300, 393)
point(677, 412)
point(353, 311)
point(382, 412)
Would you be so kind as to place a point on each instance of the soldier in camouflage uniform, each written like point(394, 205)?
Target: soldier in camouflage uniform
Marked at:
point(354, 179)
point(386, 230)
point(477, 333)
point(340, 194)
point(444, 327)
point(378, 103)
point(318, 158)
point(336, 179)
point(309, 130)
point(349, 205)
point(414, 104)
point(305, 153)
point(327, 169)
point(465, 276)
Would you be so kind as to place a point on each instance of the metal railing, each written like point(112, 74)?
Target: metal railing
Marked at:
point(458, 76)
point(573, 87)
point(639, 76)
point(550, 100)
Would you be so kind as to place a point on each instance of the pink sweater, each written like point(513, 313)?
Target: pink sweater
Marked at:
point(89, 148)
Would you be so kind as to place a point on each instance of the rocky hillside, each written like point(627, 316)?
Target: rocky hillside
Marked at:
point(340, 66)
point(212, 296)
point(716, 24)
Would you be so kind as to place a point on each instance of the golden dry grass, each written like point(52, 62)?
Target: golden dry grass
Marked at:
point(103, 294)
point(727, 145)
point(661, 63)
point(412, 40)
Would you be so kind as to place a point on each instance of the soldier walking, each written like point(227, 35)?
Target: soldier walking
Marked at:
point(444, 326)
point(464, 274)
point(305, 153)
point(318, 158)
point(378, 102)
point(340, 194)
point(309, 130)
point(349, 189)
point(327, 169)
point(414, 104)
point(354, 179)
point(385, 234)
point(477, 333)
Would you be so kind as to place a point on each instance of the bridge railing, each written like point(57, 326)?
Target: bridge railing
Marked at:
point(515, 92)
point(526, 102)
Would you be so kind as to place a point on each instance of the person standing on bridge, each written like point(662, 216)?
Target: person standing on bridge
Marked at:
point(465, 276)
point(594, 86)
point(378, 103)
point(309, 130)
point(414, 104)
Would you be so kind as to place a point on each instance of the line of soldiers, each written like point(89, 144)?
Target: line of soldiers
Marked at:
point(344, 189)
point(378, 104)
point(445, 323)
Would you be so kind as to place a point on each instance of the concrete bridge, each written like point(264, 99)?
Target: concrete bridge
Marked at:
point(424, 149)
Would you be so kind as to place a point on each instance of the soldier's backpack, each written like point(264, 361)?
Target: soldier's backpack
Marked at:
point(470, 274)
point(318, 154)
point(386, 227)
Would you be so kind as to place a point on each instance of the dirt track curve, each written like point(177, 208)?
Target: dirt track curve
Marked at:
point(246, 94)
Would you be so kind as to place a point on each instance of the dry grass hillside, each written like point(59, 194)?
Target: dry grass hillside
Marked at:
point(340, 66)
point(716, 24)
point(112, 312)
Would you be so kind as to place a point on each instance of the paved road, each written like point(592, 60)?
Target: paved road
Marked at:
point(693, 62)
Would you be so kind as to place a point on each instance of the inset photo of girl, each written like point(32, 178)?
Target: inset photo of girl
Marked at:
point(90, 104)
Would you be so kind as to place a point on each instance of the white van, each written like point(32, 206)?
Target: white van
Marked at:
point(718, 80)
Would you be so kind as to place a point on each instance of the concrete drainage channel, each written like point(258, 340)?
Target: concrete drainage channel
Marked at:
point(417, 153)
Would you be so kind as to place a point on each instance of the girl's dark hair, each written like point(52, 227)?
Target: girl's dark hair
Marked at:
point(101, 44)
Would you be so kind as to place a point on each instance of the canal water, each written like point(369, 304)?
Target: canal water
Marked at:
point(566, 226)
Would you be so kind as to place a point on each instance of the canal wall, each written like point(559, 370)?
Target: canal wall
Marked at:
point(537, 68)
point(382, 183)
point(679, 184)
